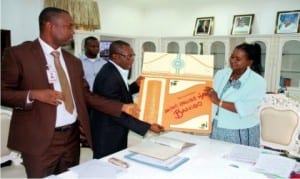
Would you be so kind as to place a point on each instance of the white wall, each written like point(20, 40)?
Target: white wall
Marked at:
point(21, 17)
point(180, 20)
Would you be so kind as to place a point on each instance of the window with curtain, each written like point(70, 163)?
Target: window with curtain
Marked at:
point(85, 13)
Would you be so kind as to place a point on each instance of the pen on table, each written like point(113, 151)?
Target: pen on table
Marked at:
point(118, 162)
point(233, 165)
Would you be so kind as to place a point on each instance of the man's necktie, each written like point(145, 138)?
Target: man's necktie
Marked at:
point(63, 83)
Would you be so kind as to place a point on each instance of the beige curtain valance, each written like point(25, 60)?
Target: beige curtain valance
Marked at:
point(85, 13)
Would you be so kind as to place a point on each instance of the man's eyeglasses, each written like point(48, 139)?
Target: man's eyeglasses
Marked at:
point(127, 56)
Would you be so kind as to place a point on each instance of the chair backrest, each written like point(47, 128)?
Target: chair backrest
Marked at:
point(5, 122)
point(280, 128)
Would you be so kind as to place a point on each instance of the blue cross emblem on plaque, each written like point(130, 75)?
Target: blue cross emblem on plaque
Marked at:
point(178, 63)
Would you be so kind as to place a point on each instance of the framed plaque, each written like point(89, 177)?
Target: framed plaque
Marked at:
point(172, 92)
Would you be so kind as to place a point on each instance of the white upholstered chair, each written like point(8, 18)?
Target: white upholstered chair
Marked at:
point(5, 120)
point(280, 126)
point(15, 170)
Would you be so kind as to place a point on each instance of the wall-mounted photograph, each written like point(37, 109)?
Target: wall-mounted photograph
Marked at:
point(242, 24)
point(203, 26)
point(287, 22)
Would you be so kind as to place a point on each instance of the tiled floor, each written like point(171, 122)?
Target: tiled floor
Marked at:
point(14, 171)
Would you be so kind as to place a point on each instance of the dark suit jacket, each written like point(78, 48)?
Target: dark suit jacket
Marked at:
point(110, 133)
point(32, 125)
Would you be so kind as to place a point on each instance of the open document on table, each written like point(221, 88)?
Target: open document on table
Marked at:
point(160, 147)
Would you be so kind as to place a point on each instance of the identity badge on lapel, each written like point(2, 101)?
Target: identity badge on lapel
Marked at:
point(52, 76)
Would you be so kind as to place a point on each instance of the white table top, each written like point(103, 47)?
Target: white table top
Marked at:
point(206, 161)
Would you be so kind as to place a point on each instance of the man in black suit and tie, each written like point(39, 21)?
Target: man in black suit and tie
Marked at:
point(109, 133)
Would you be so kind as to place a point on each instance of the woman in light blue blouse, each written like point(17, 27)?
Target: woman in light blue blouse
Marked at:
point(237, 93)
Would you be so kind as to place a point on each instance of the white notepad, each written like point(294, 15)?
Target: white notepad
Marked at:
point(169, 164)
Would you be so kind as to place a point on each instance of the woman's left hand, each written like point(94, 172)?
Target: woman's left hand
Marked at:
point(212, 94)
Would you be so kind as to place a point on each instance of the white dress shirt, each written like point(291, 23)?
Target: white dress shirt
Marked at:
point(63, 117)
point(124, 73)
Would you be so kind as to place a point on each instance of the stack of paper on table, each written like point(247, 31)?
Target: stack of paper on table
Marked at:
point(267, 162)
point(275, 165)
point(90, 169)
point(160, 147)
point(244, 153)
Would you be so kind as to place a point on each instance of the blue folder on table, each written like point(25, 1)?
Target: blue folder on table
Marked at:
point(168, 165)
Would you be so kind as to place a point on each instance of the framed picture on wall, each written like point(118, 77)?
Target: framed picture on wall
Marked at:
point(287, 22)
point(203, 26)
point(242, 24)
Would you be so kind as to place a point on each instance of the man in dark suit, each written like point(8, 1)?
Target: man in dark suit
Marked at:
point(42, 128)
point(109, 133)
